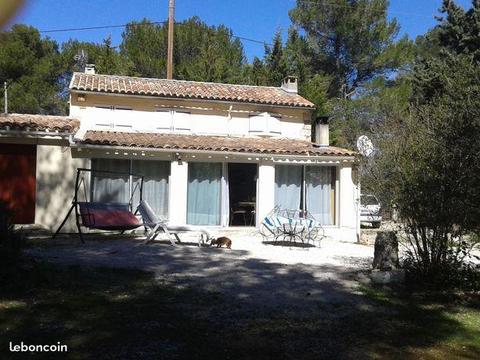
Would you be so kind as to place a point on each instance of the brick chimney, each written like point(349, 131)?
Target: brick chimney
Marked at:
point(290, 84)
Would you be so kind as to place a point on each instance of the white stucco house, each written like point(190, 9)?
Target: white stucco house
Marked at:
point(213, 155)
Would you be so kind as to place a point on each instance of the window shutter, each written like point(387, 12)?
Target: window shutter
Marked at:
point(181, 121)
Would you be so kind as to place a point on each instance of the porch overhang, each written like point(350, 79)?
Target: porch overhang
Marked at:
point(109, 151)
point(193, 147)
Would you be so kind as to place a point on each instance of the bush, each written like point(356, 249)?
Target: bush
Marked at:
point(458, 270)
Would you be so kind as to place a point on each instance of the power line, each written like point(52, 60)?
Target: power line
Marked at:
point(100, 27)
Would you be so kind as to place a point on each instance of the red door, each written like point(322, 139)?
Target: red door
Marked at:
point(17, 180)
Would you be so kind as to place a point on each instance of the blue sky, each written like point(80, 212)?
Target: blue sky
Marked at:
point(257, 19)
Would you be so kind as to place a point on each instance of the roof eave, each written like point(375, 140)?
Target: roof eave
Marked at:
point(77, 90)
point(271, 155)
point(34, 133)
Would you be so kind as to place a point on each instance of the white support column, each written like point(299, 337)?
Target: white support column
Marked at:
point(348, 216)
point(177, 195)
point(265, 190)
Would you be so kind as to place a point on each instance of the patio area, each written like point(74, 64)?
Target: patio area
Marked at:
point(251, 273)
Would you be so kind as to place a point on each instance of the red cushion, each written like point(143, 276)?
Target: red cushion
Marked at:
point(109, 219)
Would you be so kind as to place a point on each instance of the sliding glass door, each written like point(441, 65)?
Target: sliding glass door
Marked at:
point(108, 187)
point(204, 193)
point(310, 188)
point(318, 186)
point(155, 183)
point(288, 186)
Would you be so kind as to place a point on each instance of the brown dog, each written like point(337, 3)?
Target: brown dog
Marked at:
point(222, 241)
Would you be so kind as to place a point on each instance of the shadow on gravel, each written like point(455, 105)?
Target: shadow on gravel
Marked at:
point(222, 306)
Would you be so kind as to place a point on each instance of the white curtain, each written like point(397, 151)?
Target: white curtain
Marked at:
point(204, 192)
point(318, 180)
point(288, 186)
point(107, 187)
point(225, 194)
point(155, 184)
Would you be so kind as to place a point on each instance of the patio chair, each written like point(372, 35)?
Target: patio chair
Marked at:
point(314, 232)
point(271, 226)
point(238, 211)
point(156, 225)
point(153, 223)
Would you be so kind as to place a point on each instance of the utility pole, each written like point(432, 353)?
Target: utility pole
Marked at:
point(171, 17)
point(5, 97)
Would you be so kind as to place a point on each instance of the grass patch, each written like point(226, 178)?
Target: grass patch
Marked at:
point(126, 314)
point(428, 325)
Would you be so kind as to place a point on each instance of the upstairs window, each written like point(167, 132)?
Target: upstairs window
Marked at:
point(113, 117)
point(121, 118)
point(265, 124)
point(173, 120)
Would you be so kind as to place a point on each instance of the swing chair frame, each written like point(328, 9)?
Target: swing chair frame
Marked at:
point(84, 210)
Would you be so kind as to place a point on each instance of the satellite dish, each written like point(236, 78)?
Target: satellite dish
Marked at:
point(365, 146)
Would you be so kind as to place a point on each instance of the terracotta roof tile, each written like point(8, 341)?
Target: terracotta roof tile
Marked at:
point(30, 122)
point(273, 146)
point(187, 90)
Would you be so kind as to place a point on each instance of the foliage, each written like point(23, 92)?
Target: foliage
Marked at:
point(105, 57)
point(428, 163)
point(201, 53)
point(459, 30)
point(275, 64)
point(379, 100)
point(32, 67)
point(352, 41)
point(348, 59)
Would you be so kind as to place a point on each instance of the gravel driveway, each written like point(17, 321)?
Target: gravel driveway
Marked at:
point(251, 273)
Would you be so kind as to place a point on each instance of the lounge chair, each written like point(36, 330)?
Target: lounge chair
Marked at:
point(156, 225)
point(153, 223)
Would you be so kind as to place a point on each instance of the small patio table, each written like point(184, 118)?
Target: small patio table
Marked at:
point(293, 230)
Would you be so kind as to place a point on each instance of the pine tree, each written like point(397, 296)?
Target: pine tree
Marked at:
point(32, 66)
point(352, 41)
point(274, 61)
point(201, 52)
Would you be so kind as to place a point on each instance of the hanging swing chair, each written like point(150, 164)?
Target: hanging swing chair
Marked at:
point(99, 215)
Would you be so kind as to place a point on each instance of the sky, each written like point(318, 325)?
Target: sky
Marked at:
point(255, 19)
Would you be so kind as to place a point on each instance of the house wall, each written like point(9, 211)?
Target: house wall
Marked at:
point(56, 172)
point(150, 114)
point(177, 202)
point(153, 114)
point(265, 190)
point(349, 196)
point(346, 194)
